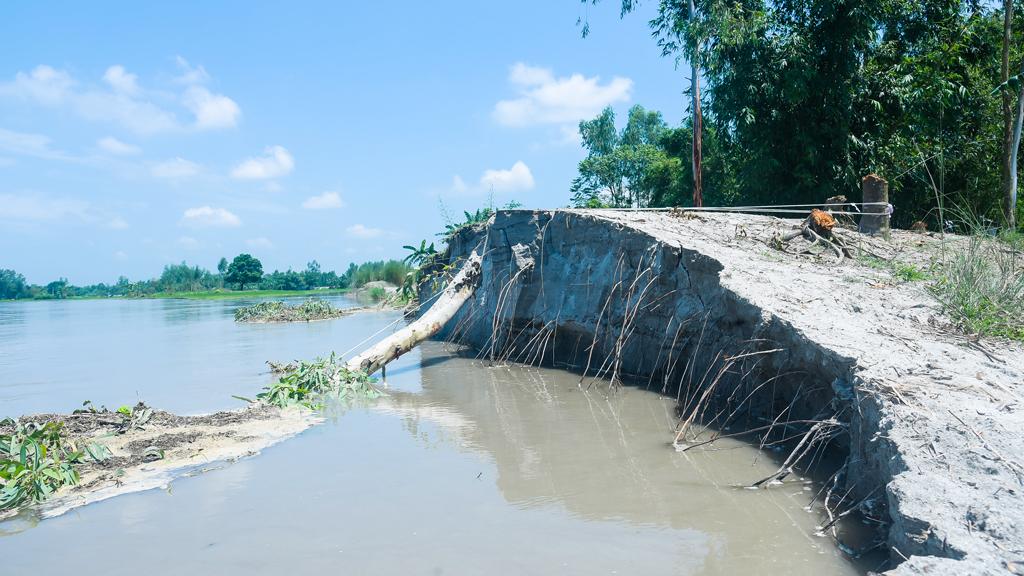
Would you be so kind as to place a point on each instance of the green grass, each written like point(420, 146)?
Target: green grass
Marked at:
point(229, 294)
point(377, 293)
point(899, 270)
point(909, 273)
point(981, 285)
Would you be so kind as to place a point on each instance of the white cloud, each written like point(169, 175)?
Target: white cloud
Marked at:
point(212, 111)
point(365, 232)
point(120, 255)
point(516, 178)
point(545, 99)
point(208, 217)
point(325, 201)
point(189, 74)
point(26, 144)
point(121, 81)
point(114, 146)
point(275, 162)
point(34, 208)
point(134, 114)
point(259, 243)
point(120, 99)
point(523, 75)
point(188, 242)
point(175, 169)
point(43, 84)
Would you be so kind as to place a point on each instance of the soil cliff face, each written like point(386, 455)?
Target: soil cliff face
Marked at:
point(701, 307)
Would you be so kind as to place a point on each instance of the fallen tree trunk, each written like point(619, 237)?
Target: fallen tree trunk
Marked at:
point(462, 286)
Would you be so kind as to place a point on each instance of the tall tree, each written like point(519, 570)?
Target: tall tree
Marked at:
point(807, 96)
point(618, 166)
point(244, 269)
point(12, 285)
point(57, 288)
point(222, 266)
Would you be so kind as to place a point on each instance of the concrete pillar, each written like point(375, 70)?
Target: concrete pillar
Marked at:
point(875, 219)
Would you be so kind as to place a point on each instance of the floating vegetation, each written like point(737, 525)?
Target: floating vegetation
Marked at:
point(312, 309)
point(36, 460)
point(311, 383)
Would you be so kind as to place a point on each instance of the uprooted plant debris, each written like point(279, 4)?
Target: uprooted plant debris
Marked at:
point(309, 384)
point(312, 309)
point(95, 446)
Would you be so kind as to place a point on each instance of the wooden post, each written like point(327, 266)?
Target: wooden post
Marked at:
point(697, 154)
point(875, 217)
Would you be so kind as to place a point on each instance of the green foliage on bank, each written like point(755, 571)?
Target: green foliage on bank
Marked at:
point(36, 460)
point(188, 281)
point(392, 271)
point(801, 99)
point(980, 285)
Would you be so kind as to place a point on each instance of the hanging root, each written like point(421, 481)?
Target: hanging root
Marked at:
point(821, 432)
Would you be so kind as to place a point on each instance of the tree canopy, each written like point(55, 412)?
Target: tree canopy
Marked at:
point(619, 166)
point(244, 269)
point(805, 97)
point(12, 285)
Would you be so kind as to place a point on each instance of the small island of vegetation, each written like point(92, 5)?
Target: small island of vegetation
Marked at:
point(307, 311)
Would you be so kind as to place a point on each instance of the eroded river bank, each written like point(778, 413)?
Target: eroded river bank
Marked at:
point(463, 468)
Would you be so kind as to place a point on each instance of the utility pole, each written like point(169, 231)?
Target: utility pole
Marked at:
point(1009, 167)
point(698, 122)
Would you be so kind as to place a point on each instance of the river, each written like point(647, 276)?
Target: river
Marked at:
point(463, 468)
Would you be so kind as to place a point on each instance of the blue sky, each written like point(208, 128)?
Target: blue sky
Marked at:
point(133, 135)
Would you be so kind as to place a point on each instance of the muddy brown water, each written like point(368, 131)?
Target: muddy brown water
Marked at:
point(462, 469)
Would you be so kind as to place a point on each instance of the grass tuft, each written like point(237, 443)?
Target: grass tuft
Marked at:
point(980, 283)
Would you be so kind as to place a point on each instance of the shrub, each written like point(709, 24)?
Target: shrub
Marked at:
point(981, 284)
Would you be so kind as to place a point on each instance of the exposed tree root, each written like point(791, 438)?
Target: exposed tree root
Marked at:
point(819, 227)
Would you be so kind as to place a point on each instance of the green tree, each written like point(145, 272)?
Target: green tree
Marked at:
point(618, 165)
point(222, 266)
point(57, 288)
point(12, 285)
point(244, 269)
point(805, 97)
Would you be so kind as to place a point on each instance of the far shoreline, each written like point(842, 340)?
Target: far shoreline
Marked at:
point(201, 295)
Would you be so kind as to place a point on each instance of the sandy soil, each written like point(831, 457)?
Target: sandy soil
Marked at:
point(188, 444)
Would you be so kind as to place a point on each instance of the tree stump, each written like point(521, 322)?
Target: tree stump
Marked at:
point(874, 219)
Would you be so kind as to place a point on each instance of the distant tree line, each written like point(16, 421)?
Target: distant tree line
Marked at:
point(805, 97)
point(244, 272)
